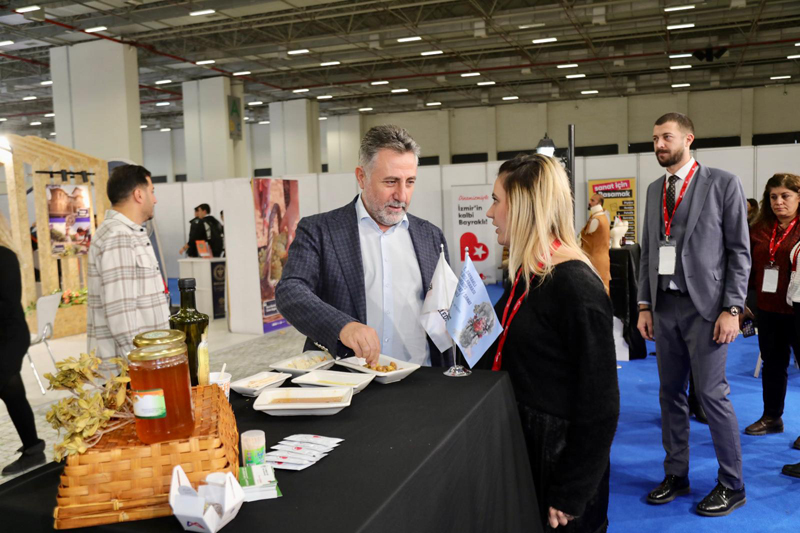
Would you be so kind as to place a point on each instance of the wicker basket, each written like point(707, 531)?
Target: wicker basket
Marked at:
point(122, 479)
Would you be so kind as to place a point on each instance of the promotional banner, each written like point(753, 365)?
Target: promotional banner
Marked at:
point(474, 231)
point(70, 224)
point(472, 322)
point(620, 201)
point(277, 212)
point(218, 288)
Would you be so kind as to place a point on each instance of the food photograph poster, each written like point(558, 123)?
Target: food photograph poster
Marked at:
point(69, 215)
point(620, 201)
point(277, 212)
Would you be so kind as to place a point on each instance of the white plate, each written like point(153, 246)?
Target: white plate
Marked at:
point(404, 368)
point(241, 387)
point(330, 378)
point(282, 366)
point(300, 409)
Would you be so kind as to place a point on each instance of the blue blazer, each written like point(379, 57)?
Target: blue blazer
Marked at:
point(322, 286)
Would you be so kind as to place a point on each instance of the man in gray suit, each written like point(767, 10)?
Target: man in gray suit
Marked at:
point(692, 283)
point(356, 277)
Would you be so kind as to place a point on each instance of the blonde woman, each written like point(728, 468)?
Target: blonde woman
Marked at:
point(557, 344)
point(14, 340)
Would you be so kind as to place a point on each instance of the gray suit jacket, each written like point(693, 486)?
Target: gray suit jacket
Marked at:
point(322, 287)
point(716, 246)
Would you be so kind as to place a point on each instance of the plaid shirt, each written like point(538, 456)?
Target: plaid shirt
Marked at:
point(126, 290)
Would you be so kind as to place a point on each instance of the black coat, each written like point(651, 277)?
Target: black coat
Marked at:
point(14, 334)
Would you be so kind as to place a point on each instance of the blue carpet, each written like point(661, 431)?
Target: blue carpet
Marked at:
point(773, 500)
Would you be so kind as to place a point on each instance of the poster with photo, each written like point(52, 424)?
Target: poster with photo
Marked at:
point(68, 208)
point(472, 230)
point(277, 212)
point(620, 201)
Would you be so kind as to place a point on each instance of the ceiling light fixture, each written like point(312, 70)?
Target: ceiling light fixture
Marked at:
point(52, 134)
point(3, 119)
point(298, 91)
point(298, 52)
point(95, 29)
point(163, 82)
point(679, 67)
point(568, 65)
point(408, 39)
point(202, 12)
point(678, 8)
point(484, 83)
point(28, 9)
point(781, 78)
point(511, 98)
point(330, 63)
point(680, 26)
point(323, 118)
point(793, 57)
point(379, 83)
point(36, 123)
point(46, 83)
point(257, 102)
point(143, 126)
point(431, 53)
point(679, 85)
point(29, 98)
point(325, 97)
point(589, 92)
point(399, 91)
point(365, 109)
point(545, 40)
point(248, 118)
point(205, 62)
point(242, 73)
point(49, 115)
point(575, 76)
point(6, 43)
point(679, 56)
point(264, 122)
point(470, 74)
point(165, 129)
point(162, 104)
point(529, 26)
point(432, 104)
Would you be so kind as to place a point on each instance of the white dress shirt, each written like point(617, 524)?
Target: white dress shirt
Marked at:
point(393, 287)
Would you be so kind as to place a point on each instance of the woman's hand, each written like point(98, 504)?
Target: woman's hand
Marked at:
point(558, 518)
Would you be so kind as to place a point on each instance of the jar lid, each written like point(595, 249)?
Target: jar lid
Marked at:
point(162, 351)
point(158, 337)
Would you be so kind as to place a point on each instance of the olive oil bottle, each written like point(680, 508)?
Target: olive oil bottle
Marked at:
point(195, 326)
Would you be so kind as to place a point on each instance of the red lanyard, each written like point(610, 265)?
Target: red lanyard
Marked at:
point(498, 357)
point(669, 216)
point(773, 248)
point(794, 259)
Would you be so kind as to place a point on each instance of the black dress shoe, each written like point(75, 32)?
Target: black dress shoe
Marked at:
point(721, 501)
point(791, 470)
point(33, 456)
point(765, 425)
point(796, 444)
point(669, 489)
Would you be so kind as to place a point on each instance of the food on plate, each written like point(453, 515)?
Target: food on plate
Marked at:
point(307, 361)
point(391, 367)
point(323, 399)
point(258, 383)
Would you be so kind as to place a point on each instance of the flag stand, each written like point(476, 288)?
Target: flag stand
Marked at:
point(457, 371)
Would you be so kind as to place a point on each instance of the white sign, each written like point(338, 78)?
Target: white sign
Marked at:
point(473, 230)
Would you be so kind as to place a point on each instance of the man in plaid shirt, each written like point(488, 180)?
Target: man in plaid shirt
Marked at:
point(126, 290)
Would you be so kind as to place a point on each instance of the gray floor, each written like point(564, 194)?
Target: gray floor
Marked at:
point(244, 354)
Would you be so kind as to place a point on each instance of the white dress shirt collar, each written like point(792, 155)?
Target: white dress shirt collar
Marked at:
point(684, 170)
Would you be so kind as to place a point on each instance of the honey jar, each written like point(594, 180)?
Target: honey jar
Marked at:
point(161, 392)
point(159, 337)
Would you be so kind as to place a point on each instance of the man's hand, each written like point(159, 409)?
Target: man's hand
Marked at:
point(558, 518)
point(726, 328)
point(182, 250)
point(363, 340)
point(645, 325)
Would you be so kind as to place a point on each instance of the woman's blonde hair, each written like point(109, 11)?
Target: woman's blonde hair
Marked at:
point(540, 209)
point(6, 239)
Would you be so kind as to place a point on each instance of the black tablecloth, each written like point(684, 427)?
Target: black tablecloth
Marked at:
point(624, 288)
point(429, 453)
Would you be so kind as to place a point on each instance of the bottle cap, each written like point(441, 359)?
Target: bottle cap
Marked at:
point(186, 283)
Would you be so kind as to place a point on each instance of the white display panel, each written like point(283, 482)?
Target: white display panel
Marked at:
point(773, 159)
point(738, 160)
point(172, 224)
point(336, 190)
point(649, 171)
point(454, 175)
point(309, 193)
point(427, 199)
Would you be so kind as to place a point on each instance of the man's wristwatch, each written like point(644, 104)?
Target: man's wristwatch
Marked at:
point(734, 310)
point(644, 307)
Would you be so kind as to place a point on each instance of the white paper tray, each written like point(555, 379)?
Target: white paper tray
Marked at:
point(281, 366)
point(331, 378)
point(241, 387)
point(404, 368)
point(309, 409)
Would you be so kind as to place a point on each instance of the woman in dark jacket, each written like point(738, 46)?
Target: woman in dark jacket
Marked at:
point(557, 344)
point(14, 340)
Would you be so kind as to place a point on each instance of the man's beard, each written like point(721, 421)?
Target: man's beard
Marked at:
point(672, 160)
point(382, 215)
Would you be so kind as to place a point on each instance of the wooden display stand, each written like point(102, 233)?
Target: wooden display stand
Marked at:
point(21, 158)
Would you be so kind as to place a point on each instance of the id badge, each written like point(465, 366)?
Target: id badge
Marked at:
point(666, 259)
point(770, 280)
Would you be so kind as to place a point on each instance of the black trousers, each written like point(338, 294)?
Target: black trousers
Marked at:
point(777, 334)
point(12, 392)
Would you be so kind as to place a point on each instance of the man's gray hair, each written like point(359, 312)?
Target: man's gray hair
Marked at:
point(386, 136)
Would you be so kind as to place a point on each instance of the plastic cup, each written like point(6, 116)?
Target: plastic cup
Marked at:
point(253, 447)
point(223, 380)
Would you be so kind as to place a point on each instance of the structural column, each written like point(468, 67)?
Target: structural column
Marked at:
point(344, 140)
point(294, 137)
point(214, 132)
point(96, 99)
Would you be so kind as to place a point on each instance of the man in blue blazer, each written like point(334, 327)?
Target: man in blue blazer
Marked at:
point(693, 277)
point(356, 277)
